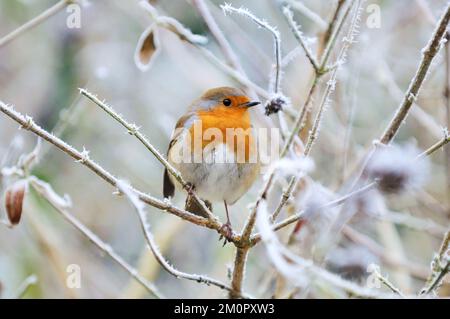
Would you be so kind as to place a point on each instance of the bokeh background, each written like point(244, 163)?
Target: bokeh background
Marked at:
point(41, 71)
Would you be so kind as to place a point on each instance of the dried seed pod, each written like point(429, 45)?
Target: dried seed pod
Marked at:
point(397, 169)
point(276, 104)
point(14, 197)
point(147, 48)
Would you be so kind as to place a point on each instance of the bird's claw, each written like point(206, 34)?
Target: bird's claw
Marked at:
point(226, 233)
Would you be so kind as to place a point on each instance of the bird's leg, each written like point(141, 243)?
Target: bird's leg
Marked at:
point(190, 187)
point(227, 227)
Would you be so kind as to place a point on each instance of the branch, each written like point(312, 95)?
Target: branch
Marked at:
point(331, 84)
point(27, 123)
point(145, 226)
point(25, 285)
point(56, 201)
point(437, 145)
point(224, 45)
point(439, 267)
point(429, 53)
point(387, 283)
point(133, 129)
point(300, 7)
point(299, 36)
point(57, 7)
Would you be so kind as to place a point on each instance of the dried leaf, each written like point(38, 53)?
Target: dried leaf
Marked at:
point(147, 48)
point(14, 197)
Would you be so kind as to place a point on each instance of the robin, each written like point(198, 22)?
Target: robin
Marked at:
point(214, 149)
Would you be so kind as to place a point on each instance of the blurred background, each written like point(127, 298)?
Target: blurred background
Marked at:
point(41, 71)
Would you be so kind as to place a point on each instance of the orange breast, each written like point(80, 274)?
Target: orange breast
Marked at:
point(232, 123)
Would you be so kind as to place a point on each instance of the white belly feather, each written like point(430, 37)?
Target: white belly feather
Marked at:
point(218, 181)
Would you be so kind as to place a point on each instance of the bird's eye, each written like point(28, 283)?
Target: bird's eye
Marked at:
point(226, 102)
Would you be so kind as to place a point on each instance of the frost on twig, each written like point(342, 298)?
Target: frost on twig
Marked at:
point(26, 285)
point(148, 46)
point(133, 129)
point(302, 272)
point(397, 169)
point(299, 36)
point(440, 267)
point(145, 226)
point(228, 8)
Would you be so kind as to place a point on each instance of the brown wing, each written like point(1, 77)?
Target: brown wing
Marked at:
point(168, 186)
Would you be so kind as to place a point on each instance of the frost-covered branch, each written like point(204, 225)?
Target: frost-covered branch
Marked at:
point(429, 53)
point(57, 7)
point(133, 129)
point(440, 267)
point(145, 226)
point(331, 84)
point(299, 36)
point(83, 158)
point(60, 205)
point(228, 8)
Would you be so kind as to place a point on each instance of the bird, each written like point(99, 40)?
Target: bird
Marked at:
point(214, 148)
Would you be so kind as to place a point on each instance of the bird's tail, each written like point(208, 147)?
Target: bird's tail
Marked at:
point(193, 207)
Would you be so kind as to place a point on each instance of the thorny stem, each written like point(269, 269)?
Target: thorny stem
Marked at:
point(298, 35)
point(27, 123)
point(140, 210)
point(134, 130)
point(334, 35)
point(44, 189)
point(57, 7)
point(332, 81)
point(248, 227)
point(238, 272)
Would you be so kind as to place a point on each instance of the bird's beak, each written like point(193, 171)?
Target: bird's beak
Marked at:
point(250, 104)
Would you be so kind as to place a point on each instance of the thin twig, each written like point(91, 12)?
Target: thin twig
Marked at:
point(439, 266)
point(57, 7)
point(331, 84)
point(45, 191)
point(224, 45)
point(238, 76)
point(238, 272)
point(296, 217)
point(145, 226)
point(325, 99)
point(437, 145)
point(413, 91)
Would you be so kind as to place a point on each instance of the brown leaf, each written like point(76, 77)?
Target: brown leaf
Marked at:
point(14, 197)
point(147, 48)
